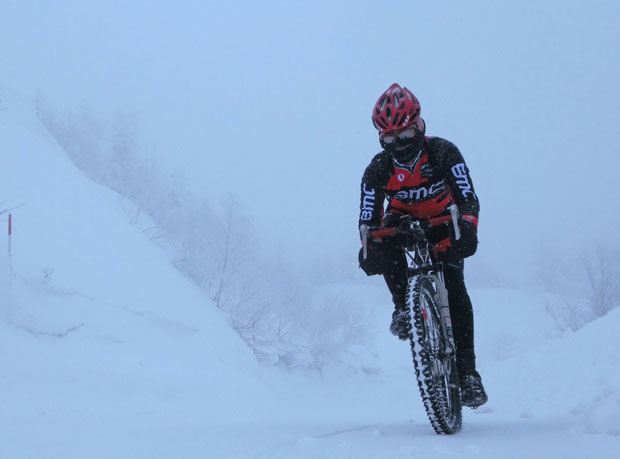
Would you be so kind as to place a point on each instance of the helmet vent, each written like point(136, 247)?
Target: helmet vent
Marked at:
point(383, 102)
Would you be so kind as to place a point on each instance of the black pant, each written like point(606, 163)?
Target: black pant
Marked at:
point(394, 268)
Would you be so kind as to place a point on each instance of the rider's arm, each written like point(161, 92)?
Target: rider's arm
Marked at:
point(373, 185)
point(453, 168)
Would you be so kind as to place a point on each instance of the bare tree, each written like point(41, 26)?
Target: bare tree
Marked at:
point(602, 269)
point(232, 257)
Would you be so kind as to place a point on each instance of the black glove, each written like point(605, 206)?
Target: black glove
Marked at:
point(468, 243)
point(375, 261)
point(406, 235)
point(391, 220)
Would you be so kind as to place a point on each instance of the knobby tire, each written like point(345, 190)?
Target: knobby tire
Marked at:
point(435, 371)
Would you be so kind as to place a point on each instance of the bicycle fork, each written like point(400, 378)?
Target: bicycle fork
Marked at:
point(444, 310)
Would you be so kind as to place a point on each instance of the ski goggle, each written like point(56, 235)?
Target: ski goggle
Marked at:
point(400, 136)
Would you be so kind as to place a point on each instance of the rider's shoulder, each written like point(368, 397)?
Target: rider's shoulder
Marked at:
point(381, 160)
point(440, 149)
point(383, 155)
point(438, 144)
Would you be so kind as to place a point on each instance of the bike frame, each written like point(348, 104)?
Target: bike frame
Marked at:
point(421, 263)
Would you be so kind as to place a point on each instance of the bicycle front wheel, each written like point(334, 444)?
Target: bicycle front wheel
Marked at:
point(433, 358)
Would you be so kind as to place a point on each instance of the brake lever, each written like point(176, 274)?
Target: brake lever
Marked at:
point(454, 211)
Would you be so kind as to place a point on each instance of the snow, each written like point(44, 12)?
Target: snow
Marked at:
point(108, 351)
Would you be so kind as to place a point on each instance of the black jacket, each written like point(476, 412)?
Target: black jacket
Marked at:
point(437, 178)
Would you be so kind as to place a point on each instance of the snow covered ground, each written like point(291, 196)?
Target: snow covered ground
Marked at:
point(107, 351)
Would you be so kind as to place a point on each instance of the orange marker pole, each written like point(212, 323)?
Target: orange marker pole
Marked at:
point(10, 233)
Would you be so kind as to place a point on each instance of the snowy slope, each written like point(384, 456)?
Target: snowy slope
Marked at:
point(94, 317)
point(577, 377)
point(107, 351)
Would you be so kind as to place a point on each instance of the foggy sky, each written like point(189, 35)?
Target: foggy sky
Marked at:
point(272, 101)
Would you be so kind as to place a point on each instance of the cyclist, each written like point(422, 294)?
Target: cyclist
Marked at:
point(421, 176)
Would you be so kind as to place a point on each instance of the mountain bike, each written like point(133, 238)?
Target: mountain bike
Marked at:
point(431, 338)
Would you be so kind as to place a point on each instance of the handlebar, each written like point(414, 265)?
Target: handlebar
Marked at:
point(430, 222)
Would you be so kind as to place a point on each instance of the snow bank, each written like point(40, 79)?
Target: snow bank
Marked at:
point(92, 314)
point(508, 322)
point(573, 375)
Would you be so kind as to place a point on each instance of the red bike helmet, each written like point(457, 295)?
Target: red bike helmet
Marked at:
point(396, 109)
